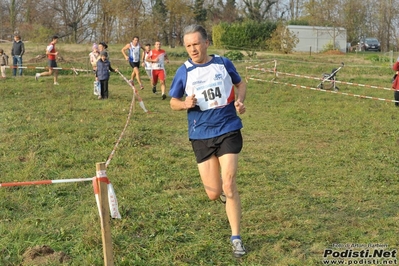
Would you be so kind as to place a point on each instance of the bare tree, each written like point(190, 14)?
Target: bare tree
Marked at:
point(119, 20)
point(13, 7)
point(180, 14)
point(4, 20)
point(257, 10)
point(295, 7)
point(386, 15)
point(222, 11)
point(353, 13)
point(74, 17)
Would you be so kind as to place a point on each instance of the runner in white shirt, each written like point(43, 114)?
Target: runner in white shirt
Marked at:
point(146, 64)
point(133, 58)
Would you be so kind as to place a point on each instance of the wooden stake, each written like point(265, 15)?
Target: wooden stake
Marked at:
point(102, 184)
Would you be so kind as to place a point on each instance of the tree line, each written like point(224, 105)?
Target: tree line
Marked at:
point(117, 21)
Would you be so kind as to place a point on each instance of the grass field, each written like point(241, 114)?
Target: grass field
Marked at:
point(318, 171)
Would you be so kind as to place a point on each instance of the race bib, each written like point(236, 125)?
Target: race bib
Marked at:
point(211, 95)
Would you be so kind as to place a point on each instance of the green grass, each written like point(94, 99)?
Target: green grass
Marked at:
point(317, 168)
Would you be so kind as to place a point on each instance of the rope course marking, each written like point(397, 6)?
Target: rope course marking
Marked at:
point(127, 121)
point(45, 182)
point(317, 78)
point(330, 91)
point(257, 68)
point(57, 68)
point(100, 175)
point(98, 183)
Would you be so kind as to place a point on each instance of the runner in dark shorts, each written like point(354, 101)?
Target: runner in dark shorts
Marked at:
point(52, 54)
point(133, 57)
point(209, 88)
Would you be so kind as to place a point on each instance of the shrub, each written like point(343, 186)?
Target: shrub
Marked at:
point(282, 40)
point(377, 58)
point(329, 47)
point(217, 32)
point(177, 54)
point(234, 55)
point(246, 35)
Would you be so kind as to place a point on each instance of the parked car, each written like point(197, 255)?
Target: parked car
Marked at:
point(370, 44)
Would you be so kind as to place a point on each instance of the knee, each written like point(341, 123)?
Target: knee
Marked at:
point(230, 188)
point(213, 195)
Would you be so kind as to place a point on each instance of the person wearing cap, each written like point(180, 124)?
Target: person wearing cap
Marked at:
point(102, 46)
point(17, 51)
point(133, 58)
point(102, 74)
point(51, 55)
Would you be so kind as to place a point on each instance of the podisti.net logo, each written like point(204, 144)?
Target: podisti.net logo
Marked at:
point(360, 257)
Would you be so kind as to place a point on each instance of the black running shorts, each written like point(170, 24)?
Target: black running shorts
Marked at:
point(135, 64)
point(52, 63)
point(228, 143)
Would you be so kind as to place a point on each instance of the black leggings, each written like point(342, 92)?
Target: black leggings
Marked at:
point(396, 97)
point(104, 88)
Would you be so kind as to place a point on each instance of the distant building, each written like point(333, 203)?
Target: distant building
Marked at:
point(315, 39)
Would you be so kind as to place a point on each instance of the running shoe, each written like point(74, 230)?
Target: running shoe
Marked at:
point(238, 248)
point(141, 86)
point(154, 89)
point(222, 198)
point(56, 83)
point(163, 96)
point(37, 76)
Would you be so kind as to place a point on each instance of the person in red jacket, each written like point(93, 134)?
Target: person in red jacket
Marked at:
point(52, 63)
point(395, 83)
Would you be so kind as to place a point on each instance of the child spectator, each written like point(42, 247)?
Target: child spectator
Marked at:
point(102, 74)
point(3, 63)
point(95, 53)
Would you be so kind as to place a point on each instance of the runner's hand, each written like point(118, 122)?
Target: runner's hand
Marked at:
point(240, 107)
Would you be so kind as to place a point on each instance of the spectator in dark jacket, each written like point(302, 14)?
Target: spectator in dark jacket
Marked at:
point(17, 51)
point(102, 74)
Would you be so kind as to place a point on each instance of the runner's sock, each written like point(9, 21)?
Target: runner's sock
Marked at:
point(235, 237)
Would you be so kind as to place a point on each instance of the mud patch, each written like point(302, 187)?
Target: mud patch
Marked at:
point(43, 255)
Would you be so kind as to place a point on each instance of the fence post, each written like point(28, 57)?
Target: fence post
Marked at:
point(102, 185)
